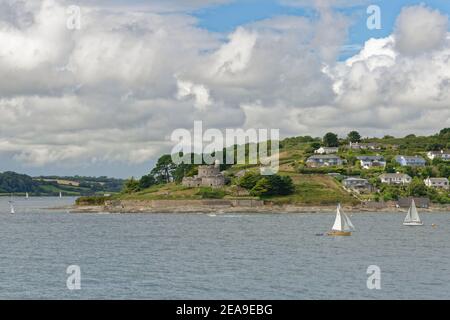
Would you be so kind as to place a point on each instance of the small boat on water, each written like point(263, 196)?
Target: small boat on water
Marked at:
point(343, 226)
point(27, 195)
point(60, 195)
point(11, 204)
point(412, 218)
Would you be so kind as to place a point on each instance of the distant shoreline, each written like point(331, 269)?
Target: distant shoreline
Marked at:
point(151, 208)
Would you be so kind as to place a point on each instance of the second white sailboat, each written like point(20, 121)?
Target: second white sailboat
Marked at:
point(412, 218)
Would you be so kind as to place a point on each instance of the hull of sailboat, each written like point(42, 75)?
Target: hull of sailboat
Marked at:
point(339, 233)
point(412, 224)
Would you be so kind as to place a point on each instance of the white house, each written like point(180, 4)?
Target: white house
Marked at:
point(365, 146)
point(395, 178)
point(325, 160)
point(368, 162)
point(326, 150)
point(440, 183)
point(416, 161)
point(444, 155)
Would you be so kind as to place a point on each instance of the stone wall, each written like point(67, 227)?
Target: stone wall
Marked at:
point(189, 205)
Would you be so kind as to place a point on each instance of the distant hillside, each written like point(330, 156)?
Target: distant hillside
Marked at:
point(11, 182)
point(310, 185)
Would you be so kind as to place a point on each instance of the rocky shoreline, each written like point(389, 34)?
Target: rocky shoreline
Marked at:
point(209, 207)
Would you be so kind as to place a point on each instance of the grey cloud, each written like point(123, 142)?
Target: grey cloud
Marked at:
point(114, 91)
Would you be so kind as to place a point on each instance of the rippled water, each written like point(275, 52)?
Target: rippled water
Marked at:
point(222, 257)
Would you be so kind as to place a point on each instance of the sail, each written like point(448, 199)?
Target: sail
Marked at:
point(413, 214)
point(408, 218)
point(338, 222)
point(12, 208)
point(348, 225)
point(342, 222)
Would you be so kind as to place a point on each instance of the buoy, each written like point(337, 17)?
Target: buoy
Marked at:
point(434, 225)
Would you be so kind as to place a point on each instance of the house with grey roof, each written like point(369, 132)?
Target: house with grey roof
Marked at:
point(395, 178)
point(357, 184)
point(444, 155)
point(412, 161)
point(368, 162)
point(325, 160)
point(326, 150)
point(365, 146)
point(439, 183)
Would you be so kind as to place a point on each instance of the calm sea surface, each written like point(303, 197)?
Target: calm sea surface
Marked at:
point(222, 257)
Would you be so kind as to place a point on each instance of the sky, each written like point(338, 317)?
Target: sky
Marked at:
point(103, 97)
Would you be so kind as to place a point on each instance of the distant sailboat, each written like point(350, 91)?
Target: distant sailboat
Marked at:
point(342, 225)
point(11, 205)
point(412, 218)
point(26, 195)
point(60, 194)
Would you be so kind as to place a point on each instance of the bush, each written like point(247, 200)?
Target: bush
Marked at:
point(210, 193)
point(274, 185)
point(91, 201)
point(131, 186)
point(249, 180)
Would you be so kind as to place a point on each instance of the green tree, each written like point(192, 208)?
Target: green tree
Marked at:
point(147, 181)
point(262, 188)
point(331, 140)
point(249, 180)
point(354, 136)
point(273, 185)
point(445, 133)
point(417, 188)
point(164, 169)
point(131, 186)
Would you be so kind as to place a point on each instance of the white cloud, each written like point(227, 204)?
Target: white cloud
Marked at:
point(116, 89)
point(420, 29)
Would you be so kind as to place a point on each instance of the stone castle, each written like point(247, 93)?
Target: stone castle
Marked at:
point(208, 176)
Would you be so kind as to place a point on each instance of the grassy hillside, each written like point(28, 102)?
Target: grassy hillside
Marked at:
point(310, 186)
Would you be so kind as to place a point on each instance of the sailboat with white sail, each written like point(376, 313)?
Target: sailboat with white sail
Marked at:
point(412, 218)
point(11, 205)
point(60, 195)
point(13, 211)
point(27, 196)
point(343, 226)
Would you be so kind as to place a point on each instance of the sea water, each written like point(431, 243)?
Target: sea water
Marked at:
point(188, 256)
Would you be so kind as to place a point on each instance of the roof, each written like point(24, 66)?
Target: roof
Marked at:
point(370, 158)
point(410, 158)
point(394, 175)
point(324, 156)
point(329, 148)
point(356, 179)
point(437, 179)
